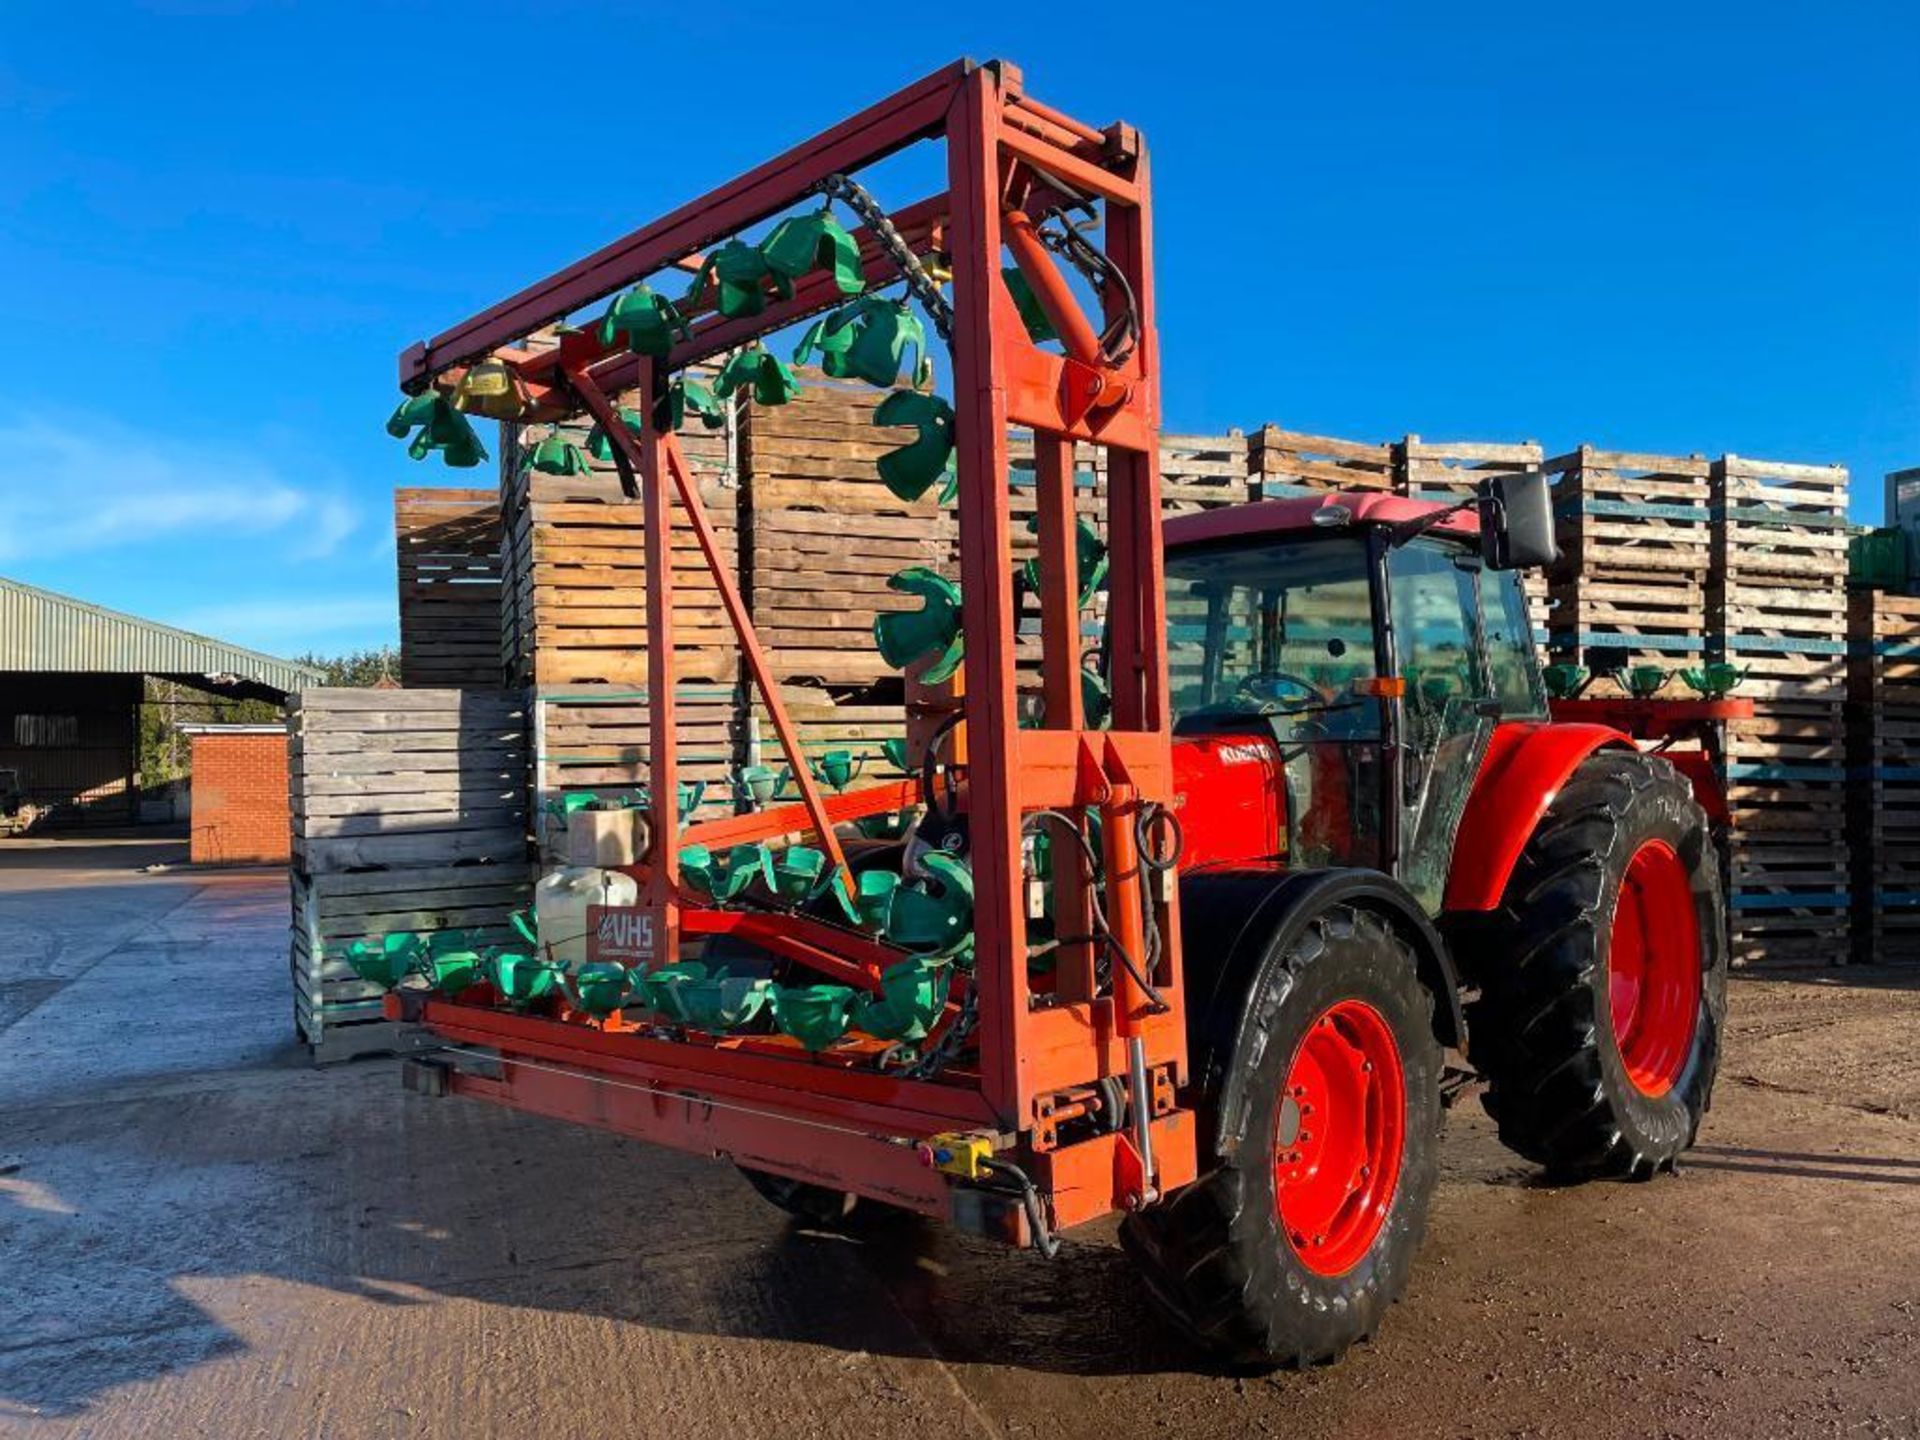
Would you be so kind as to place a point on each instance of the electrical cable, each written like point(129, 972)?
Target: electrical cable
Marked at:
point(1044, 1240)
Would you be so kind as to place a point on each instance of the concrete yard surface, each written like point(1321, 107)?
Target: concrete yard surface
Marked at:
point(200, 1235)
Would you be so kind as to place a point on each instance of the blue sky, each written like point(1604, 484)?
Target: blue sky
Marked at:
point(1674, 228)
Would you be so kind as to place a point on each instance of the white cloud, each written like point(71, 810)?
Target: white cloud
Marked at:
point(91, 483)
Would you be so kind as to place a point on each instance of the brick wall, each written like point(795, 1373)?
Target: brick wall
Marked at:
point(240, 799)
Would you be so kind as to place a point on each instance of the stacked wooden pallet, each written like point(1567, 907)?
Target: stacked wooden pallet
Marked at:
point(447, 544)
point(824, 534)
point(1776, 607)
point(1630, 588)
point(574, 562)
point(1203, 472)
point(1883, 759)
point(1450, 470)
point(1284, 463)
point(595, 739)
point(409, 812)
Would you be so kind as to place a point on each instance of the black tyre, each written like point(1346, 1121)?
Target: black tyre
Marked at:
point(1603, 976)
point(828, 1209)
point(1293, 1246)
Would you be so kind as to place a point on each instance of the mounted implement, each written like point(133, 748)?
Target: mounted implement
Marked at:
point(1189, 944)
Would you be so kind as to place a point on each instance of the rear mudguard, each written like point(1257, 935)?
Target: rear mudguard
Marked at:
point(1526, 763)
point(1231, 920)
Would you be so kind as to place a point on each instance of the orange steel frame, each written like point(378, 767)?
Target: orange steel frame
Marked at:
point(761, 1100)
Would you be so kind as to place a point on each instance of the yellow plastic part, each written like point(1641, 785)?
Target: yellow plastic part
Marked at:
point(958, 1154)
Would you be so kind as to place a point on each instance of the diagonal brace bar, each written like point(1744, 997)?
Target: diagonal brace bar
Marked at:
point(602, 410)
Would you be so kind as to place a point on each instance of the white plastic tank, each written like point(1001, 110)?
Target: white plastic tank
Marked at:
point(560, 902)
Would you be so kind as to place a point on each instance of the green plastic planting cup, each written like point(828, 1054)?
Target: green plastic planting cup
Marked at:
point(797, 873)
point(451, 971)
point(660, 989)
point(1715, 681)
point(1643, 682)
point(934, 916)
point(896, 753)
point(388, 960)
point(912, 995)
point(757, 786)
point(1564, 681)
point(838, 769)
point(815, 1015)
point(722, 1002)
point(524, 980)
point(600, 987)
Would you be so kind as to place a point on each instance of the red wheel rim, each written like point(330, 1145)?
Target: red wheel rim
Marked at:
point(1338, 1132)
point(1653, 969)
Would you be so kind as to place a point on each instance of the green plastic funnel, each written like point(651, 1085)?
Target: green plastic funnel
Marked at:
point(649, 321)
point(659, 990)
point(913, 993)
point(797, 873)
point(440, 427)
point(801, 244)
point(837, 769)
point(815, 1015)
point(909, 470)
point(741, 273)
point(722, 1002)
point(689, 395)
point(725, 879)
point(1643, 682)
point(388, 960)
point(934, 916)
point(757, 786)
point(600, 987)
point(907, 636)
point(869, 339)
point(600, 444)
point(557, 455)
point(760, 373)
point(523, 979)
point(1714, 681)
point(1564, 680)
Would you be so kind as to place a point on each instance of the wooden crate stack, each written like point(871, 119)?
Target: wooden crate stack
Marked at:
point(1883, 761)
point(1630, 588)
point(1203, 472)
point(447, 546)
point(409, 813)
point(1283, 463)
point(1450, 469)
point(822, 535)
point(1776, 606)
point(574, 622)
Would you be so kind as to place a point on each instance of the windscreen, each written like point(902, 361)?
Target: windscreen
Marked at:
point(1275, 629)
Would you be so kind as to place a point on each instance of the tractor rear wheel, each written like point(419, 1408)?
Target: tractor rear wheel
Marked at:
point(1603, 976)
point(1295, 1244)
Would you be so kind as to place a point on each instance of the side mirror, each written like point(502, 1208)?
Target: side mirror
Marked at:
point(1516, 522)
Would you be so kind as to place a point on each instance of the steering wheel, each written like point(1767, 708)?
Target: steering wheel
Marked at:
point(1270, 682)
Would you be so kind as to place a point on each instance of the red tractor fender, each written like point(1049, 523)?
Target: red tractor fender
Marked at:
point(1526, 763)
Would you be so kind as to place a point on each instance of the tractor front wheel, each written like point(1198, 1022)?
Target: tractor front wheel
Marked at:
point(1293, 1246)
point(1603, 976)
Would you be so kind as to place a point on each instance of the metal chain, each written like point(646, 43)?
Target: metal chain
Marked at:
point(925, 289)
point(947, 1049)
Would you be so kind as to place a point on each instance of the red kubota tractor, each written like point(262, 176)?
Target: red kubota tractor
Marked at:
point(1197, 959)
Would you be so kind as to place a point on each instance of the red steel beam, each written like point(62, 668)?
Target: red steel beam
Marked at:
point(915, 113)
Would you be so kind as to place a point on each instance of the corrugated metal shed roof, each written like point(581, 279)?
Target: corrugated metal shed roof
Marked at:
point(40, 630)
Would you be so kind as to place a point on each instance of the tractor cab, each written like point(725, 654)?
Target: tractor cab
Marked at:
point(1360, 646)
